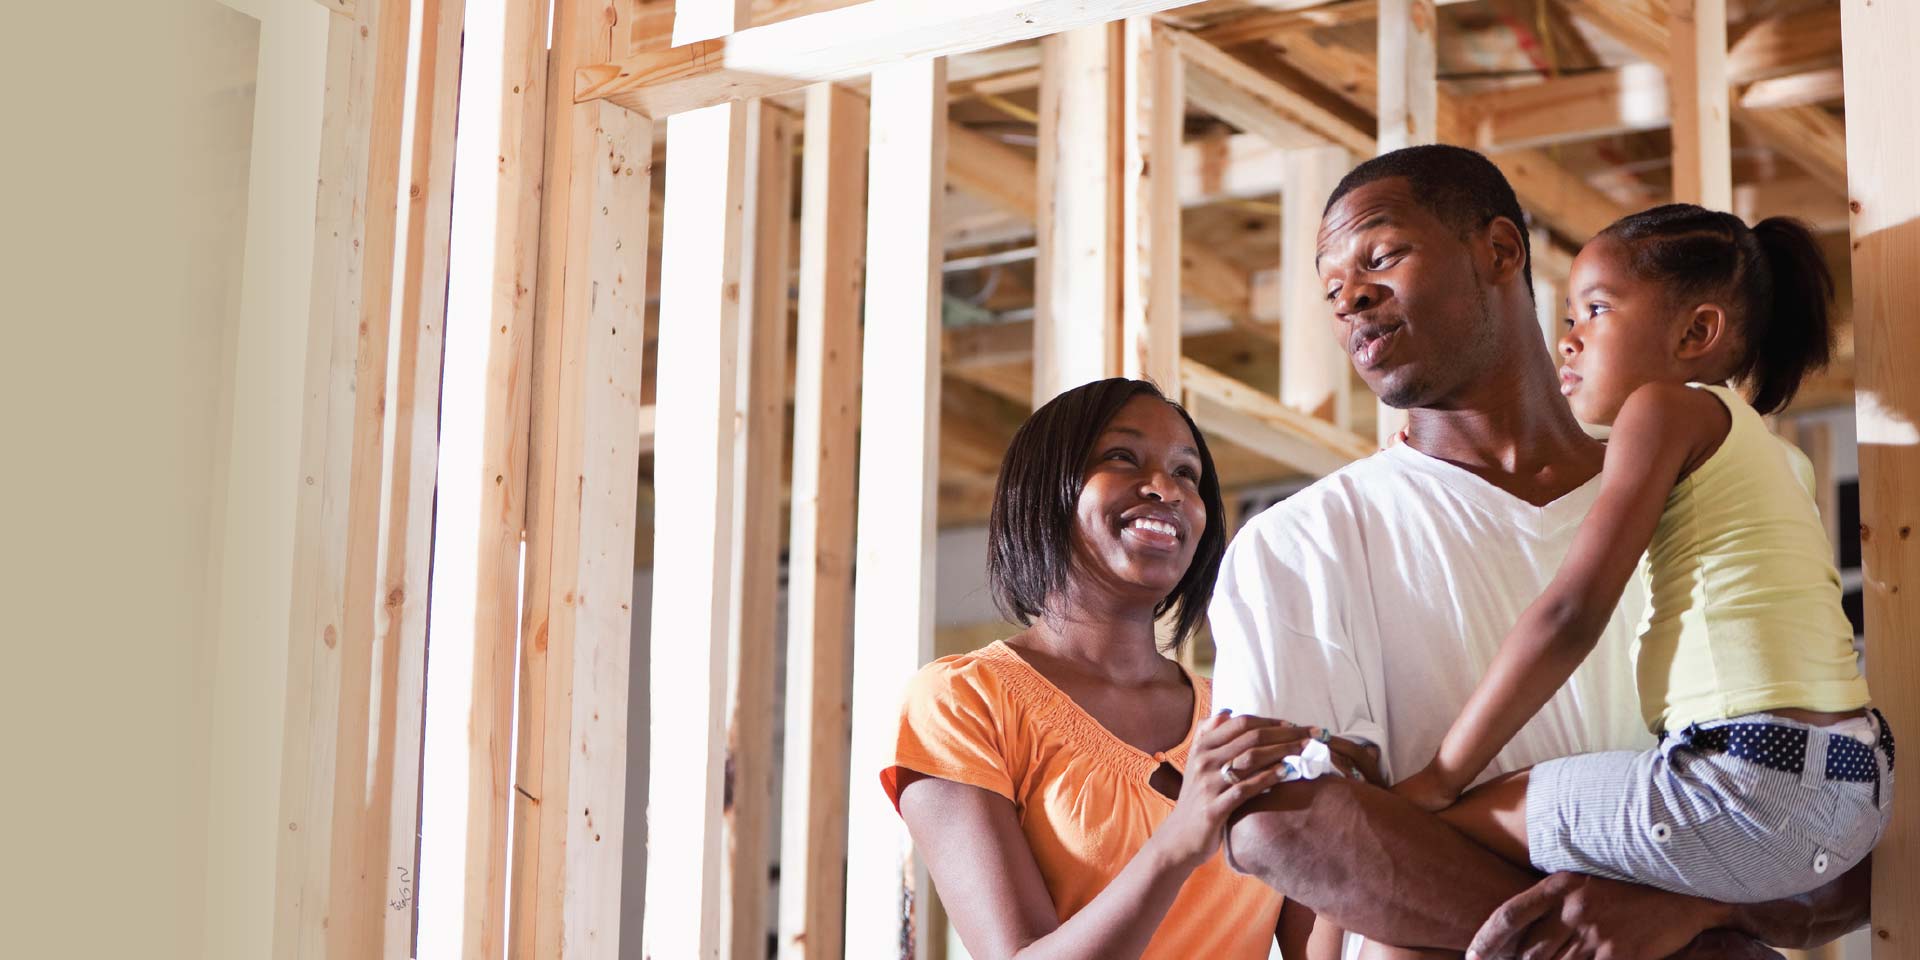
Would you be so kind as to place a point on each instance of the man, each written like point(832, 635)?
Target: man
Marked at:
point(1371, 602)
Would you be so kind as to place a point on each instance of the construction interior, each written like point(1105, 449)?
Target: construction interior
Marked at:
point(638, 330)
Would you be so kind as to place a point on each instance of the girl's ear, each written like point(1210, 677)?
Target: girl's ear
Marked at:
point(1705, 332)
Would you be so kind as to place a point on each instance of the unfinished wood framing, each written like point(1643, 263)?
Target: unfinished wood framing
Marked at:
point(1223, 405)
point(1408, 64)
point(1313, 363)
point(1577, 107)
point(887, 889)
point(1702, 138)
point(1886, 279)
point(835, 45)
point(356, 658)
point(1077, 280)
point(583, 471)
point(826, 418)
point(1153, 116)
point(501, 479)
point(760, 460)
point(707, 160)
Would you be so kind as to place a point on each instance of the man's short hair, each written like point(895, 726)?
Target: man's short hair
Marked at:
point(1462, 188)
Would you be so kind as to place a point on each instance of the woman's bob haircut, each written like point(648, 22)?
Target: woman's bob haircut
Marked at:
point(1030, 531)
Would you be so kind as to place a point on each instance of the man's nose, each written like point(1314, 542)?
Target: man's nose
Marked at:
point(1358, 297)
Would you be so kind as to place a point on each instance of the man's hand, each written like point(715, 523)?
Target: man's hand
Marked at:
point(1428, 790)
point(1575, 915)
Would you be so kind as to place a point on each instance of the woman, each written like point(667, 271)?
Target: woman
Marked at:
point(1042, 777)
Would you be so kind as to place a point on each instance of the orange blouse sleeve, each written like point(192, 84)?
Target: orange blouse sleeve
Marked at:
point(951, 727)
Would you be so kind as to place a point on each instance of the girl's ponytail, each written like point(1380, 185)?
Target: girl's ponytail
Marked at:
point(1792, 331)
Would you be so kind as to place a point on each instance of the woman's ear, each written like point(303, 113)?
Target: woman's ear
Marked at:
point(1705, 333)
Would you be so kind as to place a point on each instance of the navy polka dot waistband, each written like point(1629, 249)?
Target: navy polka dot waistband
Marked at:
point(1781, 747)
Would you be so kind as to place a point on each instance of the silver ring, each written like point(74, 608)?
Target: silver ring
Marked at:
point(1226, 771)
point(1322, 735)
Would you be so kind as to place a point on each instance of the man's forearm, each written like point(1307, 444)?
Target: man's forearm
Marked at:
point(1812, 918)
point(1372, 863)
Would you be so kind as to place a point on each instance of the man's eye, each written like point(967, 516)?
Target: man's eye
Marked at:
point(1333, 294)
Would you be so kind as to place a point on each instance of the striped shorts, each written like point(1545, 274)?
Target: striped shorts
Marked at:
point(1762, 809)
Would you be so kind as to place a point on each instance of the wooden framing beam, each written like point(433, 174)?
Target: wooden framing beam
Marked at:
point(1313, 364)
point(759, 464)
point(887, 889)
point(834, 45)
point(362, 538)
point(1408, 111)
point(708, 158)
point(1577, 107)
point(498, 477)
point(1077, 278)
point(1886, 272)
point(1702, 137)
point(986, 168)
point(1223, 405)
point(1803, 198)
point(1807, 39)
point(826, 411)
point(1812, 88)
point(1153, 118)
point(583, 473)
point(1255, 93)
point(1809, 136)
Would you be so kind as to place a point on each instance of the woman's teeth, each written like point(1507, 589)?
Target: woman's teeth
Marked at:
point(1155, 526)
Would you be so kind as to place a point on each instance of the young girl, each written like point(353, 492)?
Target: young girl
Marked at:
point(1771, 776)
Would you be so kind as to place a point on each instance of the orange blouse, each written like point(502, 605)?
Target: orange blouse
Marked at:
point(990, 720)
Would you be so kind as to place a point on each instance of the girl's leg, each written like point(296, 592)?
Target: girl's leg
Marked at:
point(1494, 815)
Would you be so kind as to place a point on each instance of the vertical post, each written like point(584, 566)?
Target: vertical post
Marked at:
point(355, 674)
point(1409, 62)
point(1702, 139)
point(887, 887)
point(473, 724)
point(1876, 38)
point(1154, 121)
point(826, 411)
point(762, 397)
point(1077, 277)
point(1409, 104)
point(1313, 363)
point(582, 478)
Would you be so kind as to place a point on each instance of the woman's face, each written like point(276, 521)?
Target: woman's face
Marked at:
point(1140, 515)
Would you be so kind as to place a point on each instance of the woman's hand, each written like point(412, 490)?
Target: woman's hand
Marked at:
point(1429, 790)
point(1233, 759)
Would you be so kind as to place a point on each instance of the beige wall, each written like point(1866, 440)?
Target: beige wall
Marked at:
point(261, 373)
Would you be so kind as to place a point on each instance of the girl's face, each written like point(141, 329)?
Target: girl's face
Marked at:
point(1140, 516)
point(1622, 333)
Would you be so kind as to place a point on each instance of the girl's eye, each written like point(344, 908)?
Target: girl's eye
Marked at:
point(1567, 322)
point(1596, 309)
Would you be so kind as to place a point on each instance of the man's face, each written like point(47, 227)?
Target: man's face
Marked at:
point(1406, 295)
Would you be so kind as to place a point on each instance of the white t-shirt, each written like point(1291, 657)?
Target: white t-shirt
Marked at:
point(1372, 602)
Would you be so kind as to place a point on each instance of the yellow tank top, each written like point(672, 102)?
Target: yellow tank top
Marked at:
point(1743, 611)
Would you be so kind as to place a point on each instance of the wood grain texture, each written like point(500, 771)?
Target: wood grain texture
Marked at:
point(1702, 135)
point(760, 467)
point(1077, 277)
point(1886, 279)
point(887, 889)
point(834, 45)
point(583, 469)
point(1153, 123)
point(826, 417)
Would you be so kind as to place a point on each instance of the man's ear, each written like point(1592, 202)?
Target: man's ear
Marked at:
point(1706, 332)
point(1509, 249)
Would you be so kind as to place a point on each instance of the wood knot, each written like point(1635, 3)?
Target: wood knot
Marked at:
point(330, 637)
point(1906, 532)
point(1853, 205)
point(396, 597)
